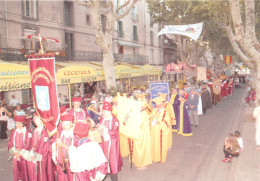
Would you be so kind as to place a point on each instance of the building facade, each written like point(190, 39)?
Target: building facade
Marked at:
point(135, 39)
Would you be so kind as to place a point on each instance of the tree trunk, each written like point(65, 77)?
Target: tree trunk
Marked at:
point(256, 81)
point(108, 66)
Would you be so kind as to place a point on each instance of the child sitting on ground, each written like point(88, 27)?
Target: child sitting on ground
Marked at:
point(239, 140)
point(231, 148)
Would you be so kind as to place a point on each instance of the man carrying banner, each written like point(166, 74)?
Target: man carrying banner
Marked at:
point(19, 146)
point(216, 91)
point(161, 132)
point(124, 146)
point(59, 154)
point(108, 128)
point(87, 161)
point(80, 115)
point(39, 152)
point(142, 153)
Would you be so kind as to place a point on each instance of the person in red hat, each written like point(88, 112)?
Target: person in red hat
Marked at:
point(108, 128)
point(80, 115)
point(86, 158)
point(37, 165)
point(60, 155)
point(19, 146)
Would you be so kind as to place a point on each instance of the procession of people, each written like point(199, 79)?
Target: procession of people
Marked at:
point(88, 144)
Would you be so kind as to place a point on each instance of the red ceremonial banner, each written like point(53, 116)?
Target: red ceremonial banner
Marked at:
point(44, 89)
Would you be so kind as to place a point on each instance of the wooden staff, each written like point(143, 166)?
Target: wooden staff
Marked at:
point(131, 151)
point(60, 152)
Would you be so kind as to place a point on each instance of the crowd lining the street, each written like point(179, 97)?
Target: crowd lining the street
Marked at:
point(88, 145)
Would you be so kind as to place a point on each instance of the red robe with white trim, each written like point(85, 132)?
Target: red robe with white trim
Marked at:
point(111, 145)
point(37, 169)
point(87, 160)
point(61, 176)
point(20, 141)
point(82, 115)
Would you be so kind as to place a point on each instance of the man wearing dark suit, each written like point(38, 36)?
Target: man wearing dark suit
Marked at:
point(193, 101)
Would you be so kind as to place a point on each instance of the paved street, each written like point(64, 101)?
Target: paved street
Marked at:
point(196, 158)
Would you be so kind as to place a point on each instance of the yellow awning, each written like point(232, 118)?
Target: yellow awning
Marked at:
point(14, 76)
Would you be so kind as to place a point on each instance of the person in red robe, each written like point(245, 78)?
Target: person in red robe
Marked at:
point(60, 155)
point(86, 158)
point(52, 169)
point(80, 115)
point(108, 128)
point(19, 146)
point(38, 162)
point(224, 89)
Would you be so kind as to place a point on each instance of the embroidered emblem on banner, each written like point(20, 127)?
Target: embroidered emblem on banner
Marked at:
point(42, 97)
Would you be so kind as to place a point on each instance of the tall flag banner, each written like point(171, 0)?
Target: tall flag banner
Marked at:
point(192, 30)
point(44, 89)
point(228, 59)
point(129, 117)
point(201, 73)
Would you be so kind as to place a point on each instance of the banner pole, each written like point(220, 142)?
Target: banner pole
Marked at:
point(69, 96)
point(60, 151)
point(129, 85)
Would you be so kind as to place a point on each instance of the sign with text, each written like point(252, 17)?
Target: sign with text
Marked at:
point(192, 30)
point(159, 87)
point(44, 89)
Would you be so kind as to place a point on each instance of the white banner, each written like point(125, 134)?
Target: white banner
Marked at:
point(201, 73)
point(193, 30)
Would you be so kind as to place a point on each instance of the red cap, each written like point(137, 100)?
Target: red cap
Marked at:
point(62, 109)
point(76, 99)
point(81, 129)
point(107, 106)
point(67, 117)
point(20, 119)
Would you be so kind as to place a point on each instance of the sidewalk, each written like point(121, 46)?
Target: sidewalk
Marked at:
point(247, 166)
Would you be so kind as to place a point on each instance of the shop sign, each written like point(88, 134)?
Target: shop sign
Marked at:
point(89, 79)
point(7, 85)
point(8, 70)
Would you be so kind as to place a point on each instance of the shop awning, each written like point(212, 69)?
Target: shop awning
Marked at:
point(15, 76)
point(129, 44)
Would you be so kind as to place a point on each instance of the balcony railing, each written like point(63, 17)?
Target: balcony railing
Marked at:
point(87, 56)
point(18, 55)
point(12, 54)
point(132, 59)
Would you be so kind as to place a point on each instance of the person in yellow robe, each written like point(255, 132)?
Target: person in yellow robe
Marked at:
point(124, 145)
point(161, 130)
point(142, 150)
point(169, 109)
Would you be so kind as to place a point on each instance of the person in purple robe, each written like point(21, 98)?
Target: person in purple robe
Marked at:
point(38, 162)
point(86, 158)
point(184, 126)
point(19, 146)
point(108, 127)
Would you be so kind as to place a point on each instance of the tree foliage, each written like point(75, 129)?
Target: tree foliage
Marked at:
point(214, 14)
